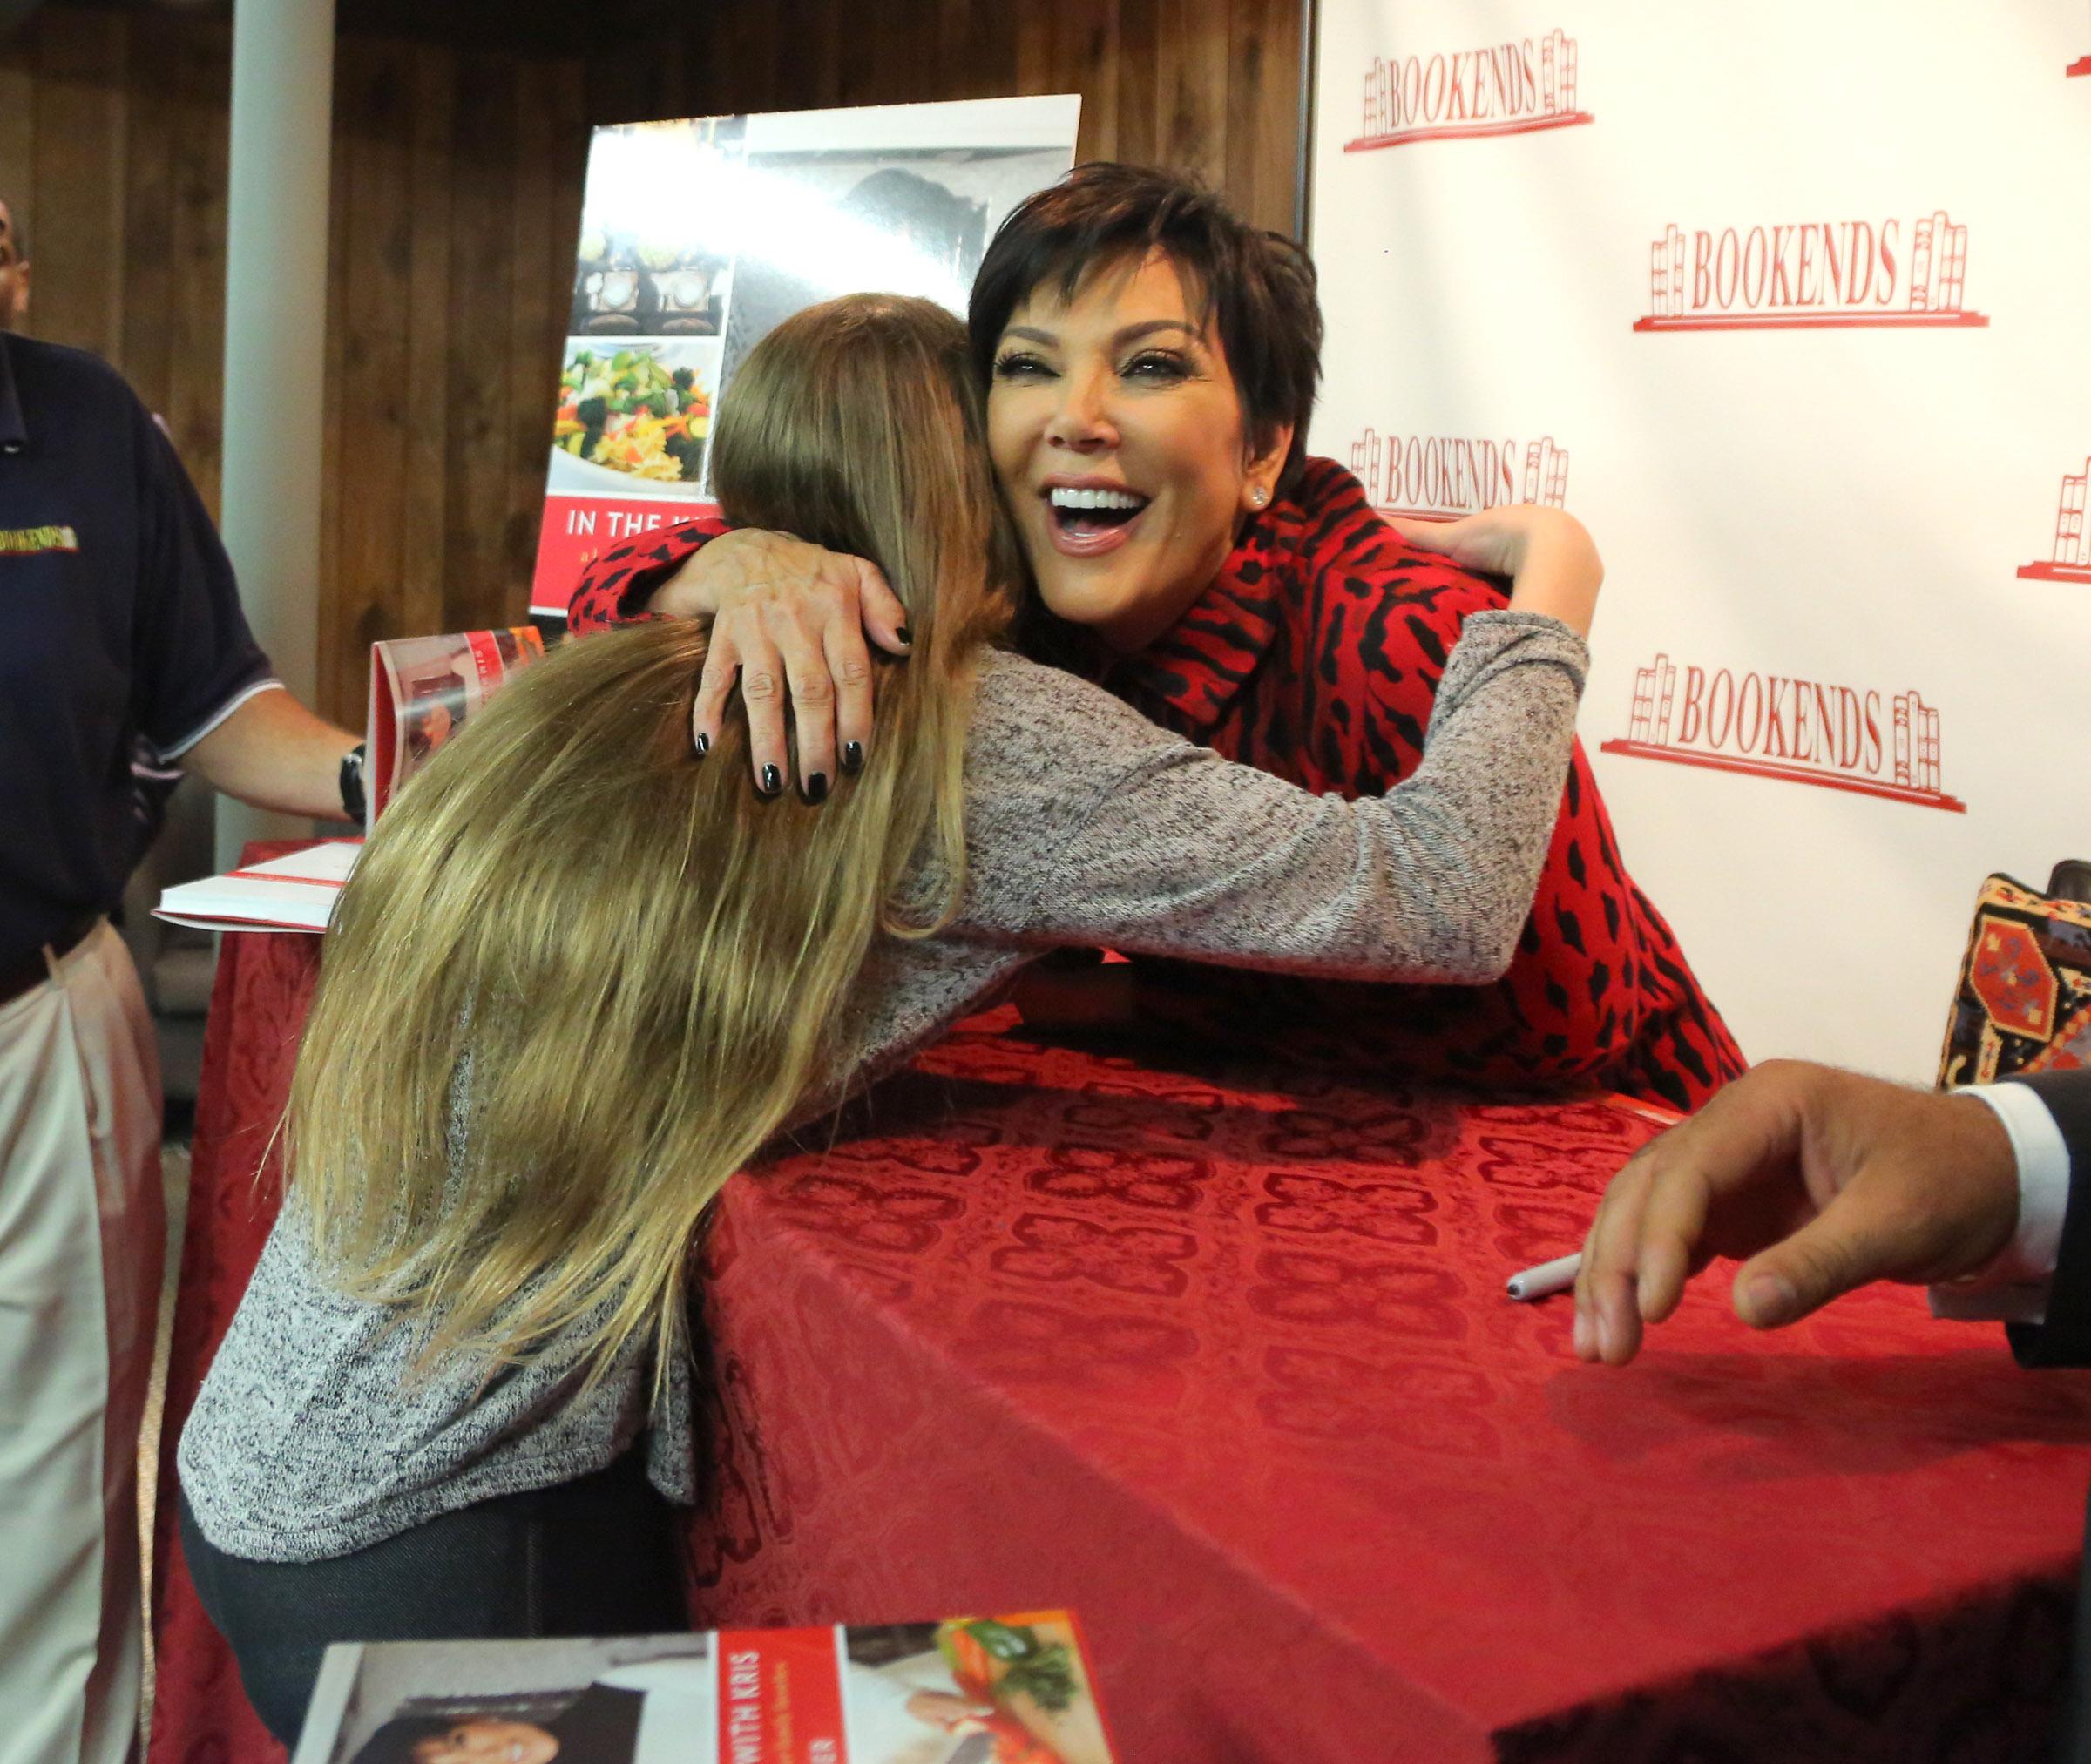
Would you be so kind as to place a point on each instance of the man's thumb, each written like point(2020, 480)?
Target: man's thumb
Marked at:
point(1824, 1258)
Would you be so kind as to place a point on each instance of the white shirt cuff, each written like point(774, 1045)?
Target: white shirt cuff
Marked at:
point(2013, 1288)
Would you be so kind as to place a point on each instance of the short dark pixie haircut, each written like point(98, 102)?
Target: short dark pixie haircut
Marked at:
point(1257, 287)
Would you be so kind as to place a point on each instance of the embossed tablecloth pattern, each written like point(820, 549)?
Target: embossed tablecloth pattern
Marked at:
point(1219, 1356)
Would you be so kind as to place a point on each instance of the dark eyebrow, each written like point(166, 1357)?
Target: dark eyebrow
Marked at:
point(1132, 333)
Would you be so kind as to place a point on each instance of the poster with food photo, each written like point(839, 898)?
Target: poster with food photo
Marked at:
point(656, 251)
point(698, 236)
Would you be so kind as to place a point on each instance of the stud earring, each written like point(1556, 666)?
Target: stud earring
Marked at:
point(1259, 496)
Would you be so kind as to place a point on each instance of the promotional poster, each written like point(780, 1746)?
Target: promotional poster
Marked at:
point(697, 237)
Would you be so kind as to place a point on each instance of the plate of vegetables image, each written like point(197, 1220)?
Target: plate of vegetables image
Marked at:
point(639, 414)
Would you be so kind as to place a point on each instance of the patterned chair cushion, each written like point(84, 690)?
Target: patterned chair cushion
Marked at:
point(2023, 1003)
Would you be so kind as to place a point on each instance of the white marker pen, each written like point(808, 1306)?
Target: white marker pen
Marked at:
point(1545, 1280)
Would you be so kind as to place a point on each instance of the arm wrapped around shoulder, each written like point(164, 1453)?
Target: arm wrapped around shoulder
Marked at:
point(1495, 761)
point(1089, 826)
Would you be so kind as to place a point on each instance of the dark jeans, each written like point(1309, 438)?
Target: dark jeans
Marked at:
point(597, 1556)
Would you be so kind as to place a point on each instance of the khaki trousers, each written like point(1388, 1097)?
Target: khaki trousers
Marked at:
point(82, 1239)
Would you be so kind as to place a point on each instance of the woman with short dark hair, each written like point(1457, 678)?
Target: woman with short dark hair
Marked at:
point(1255, 289)
point(1150, 363)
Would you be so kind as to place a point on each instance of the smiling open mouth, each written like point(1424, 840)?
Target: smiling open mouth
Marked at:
point(1082, 514)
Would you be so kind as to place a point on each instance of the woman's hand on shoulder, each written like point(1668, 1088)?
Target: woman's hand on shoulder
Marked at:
point(1547, 554)
point(789, 622)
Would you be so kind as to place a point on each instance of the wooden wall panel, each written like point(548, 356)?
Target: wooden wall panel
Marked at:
point(333, 610)
point(459, 192)
point(481, 277)
point(457, 184)
point(1139, 134)
point(1191, 69)
point(194, 411)
point(146, 260)
point(1092, 66)
point(371, 319)
point(77, 289)
point(419, 603)
point(547, 209)
point(18, 128)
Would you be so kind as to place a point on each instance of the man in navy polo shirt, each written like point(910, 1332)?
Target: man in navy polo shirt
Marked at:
point(123, 631)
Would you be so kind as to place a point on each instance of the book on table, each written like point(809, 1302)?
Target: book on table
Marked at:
point(1007, 1690)
point(423, 691)
point(296, 893)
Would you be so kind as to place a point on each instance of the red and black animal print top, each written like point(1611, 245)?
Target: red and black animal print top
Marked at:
point(1315, 655)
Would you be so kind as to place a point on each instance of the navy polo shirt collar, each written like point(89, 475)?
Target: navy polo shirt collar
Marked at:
point(13, 433)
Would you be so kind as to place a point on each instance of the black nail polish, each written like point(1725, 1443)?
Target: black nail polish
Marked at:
point(704, 745)
point(773, 780)
point(905, 635)
point(816, 787)
point(853, 758)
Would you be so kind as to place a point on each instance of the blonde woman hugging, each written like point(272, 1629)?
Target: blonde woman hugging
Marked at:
point(583, 976)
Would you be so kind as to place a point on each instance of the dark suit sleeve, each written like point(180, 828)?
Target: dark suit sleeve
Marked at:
point(2065, 1338)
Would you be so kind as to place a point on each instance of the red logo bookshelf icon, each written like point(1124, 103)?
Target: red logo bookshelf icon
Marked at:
point(1797, 730)
point(1505, 89)
point(1442, 477)
point(1813, 275)
point(2072, 559)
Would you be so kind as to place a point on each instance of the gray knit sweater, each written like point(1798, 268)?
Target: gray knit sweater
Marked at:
point(1086, 825)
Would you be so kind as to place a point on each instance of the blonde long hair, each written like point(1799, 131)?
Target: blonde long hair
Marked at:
point(579, 976)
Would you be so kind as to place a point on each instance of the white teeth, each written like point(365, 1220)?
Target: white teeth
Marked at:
point(1096, 499)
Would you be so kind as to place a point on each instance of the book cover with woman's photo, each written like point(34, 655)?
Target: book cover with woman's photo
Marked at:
point(1007, 1690)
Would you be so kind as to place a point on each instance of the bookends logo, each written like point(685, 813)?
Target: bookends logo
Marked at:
point(2071, 561)
point(1504, 88)
point(1441, 477)
point(1808, 275)
point(1799, 731)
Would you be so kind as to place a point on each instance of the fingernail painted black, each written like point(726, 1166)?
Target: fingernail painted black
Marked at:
point(816, 787)
point(905, 635)
point(853, 757)
point(773, 780)
point(704, 745)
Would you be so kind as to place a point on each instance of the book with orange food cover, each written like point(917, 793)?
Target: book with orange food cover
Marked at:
point(1015, 1689)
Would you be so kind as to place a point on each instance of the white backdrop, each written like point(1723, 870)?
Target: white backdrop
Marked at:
point(1792, 305)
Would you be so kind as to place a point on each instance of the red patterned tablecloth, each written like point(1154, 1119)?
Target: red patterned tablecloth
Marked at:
point(1219, 1358)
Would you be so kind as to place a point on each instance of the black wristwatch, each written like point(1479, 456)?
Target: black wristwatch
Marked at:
point(353, 803)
